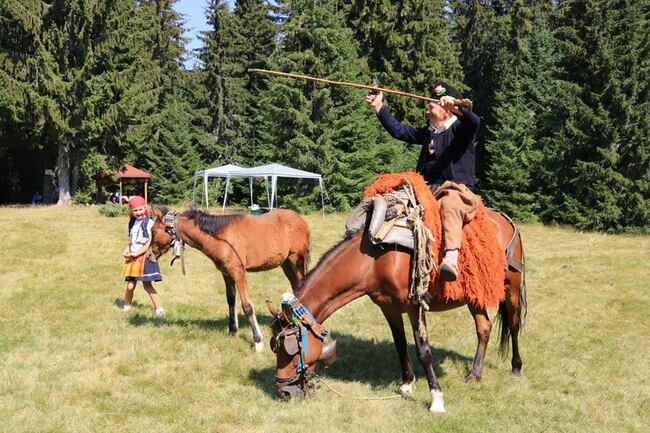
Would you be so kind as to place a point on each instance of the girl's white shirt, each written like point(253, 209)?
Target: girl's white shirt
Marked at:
point(137, 239)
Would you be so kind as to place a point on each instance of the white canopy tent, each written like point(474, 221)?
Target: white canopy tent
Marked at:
point(269, 171)
point(223, 171)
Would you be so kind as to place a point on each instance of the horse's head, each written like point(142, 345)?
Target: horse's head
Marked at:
point(162, 237)
point(297, 342)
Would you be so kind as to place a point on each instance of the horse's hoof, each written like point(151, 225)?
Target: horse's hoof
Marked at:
point(437, 403)
point(259, 347)
point(406, 390)
point(472, 378)
point(232, 333)
point(516, 372)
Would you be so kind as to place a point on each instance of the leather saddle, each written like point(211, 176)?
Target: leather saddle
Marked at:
point(385, 220)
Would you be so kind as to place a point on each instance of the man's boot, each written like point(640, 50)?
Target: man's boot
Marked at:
point(449, 266)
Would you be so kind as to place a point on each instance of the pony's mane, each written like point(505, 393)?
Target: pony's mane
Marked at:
point(348, 236)
point(211, 224)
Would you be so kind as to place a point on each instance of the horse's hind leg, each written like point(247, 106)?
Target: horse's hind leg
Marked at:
point(510, 312)
point(295, 267)
point(426, 359)
point(231, 297)
point(396, 323)
point(290, 270)
point(483, 328)
point(247, 306)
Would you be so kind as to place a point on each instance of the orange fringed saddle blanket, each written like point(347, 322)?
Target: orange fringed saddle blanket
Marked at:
point(481, 262)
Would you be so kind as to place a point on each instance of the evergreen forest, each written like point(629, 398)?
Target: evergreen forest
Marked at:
point(562, 88)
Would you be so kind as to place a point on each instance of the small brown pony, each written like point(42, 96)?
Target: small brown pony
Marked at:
point(239, 243)
point(357, 267)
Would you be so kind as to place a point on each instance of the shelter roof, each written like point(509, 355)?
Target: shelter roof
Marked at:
point(223, 171)
point(129, 172)
point(278, 170)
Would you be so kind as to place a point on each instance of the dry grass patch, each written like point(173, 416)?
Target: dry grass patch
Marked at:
point(72, 362)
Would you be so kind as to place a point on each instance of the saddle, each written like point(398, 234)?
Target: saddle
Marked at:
point(389, 217)
point(385, 217)
point(386, 222)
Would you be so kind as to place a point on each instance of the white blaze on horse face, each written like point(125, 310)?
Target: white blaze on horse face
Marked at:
point(437, 403)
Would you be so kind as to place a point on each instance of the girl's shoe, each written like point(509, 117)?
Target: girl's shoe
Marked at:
point(126, 307)
point(160, 312)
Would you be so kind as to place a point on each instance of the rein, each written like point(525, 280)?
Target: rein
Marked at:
point(319, 379)
point(178, 245)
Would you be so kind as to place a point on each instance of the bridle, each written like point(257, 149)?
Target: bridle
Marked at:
point(170, 220)
point(302, 374)
point(294, 337)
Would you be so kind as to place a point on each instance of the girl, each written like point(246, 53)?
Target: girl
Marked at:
point(137, 266)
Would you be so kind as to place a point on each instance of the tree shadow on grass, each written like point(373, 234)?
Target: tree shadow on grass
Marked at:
point(367, 361)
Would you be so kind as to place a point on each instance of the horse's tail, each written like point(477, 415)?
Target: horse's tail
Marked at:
point(522, 305)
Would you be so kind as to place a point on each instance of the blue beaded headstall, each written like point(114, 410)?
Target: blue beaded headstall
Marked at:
point(301, 321)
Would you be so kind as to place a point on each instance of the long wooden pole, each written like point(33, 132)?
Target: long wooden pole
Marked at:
point(459, 102)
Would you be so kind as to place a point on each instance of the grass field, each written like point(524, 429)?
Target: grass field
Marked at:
point(73, 362)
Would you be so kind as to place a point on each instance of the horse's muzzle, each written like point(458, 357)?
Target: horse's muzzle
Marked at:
point(290, 391)
point(297, 386)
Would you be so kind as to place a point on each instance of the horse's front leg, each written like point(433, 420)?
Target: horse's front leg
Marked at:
point(424, 354)
point(483, 328)
point(231, 297)
point(247, 306)
point(396, 323)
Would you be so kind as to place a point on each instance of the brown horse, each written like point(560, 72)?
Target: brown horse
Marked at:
point(239, 243)
point(357, 267)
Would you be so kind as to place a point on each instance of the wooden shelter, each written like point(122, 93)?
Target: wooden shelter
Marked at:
point(128, 179)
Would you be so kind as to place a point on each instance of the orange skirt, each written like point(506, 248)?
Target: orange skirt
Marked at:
point(134, 266)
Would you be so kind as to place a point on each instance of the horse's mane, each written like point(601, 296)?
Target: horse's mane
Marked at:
point(211, 224)
point(348, 236)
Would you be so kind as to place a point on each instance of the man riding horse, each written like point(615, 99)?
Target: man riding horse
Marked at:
point(447, 162)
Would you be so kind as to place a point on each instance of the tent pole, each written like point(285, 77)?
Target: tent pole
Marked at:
point(250, 187)
point(322, 200)
point(225, 196)
point(274, 184)
point(194, 190)
point(268, 197)
point(205, 189)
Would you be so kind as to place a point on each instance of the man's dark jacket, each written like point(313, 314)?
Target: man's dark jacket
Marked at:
point(454, 148)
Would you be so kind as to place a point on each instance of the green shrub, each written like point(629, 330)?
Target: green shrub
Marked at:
point(82, 197)
point(113, 210)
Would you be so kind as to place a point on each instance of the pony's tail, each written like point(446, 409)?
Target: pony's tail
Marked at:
point(522, 306)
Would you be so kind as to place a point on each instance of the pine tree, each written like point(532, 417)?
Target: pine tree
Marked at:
point(168, 137)
point(172, 158)
point(407, 45)
point(511, 148)
point(65, 79)
point(592, 121)
point(631, 106)
point(328, 130)
point(237, 41)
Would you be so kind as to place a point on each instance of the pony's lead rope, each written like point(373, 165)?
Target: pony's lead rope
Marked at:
point(352, 397)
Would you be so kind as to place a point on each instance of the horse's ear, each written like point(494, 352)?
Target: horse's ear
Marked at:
point(157, 212)
point(271, 308)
